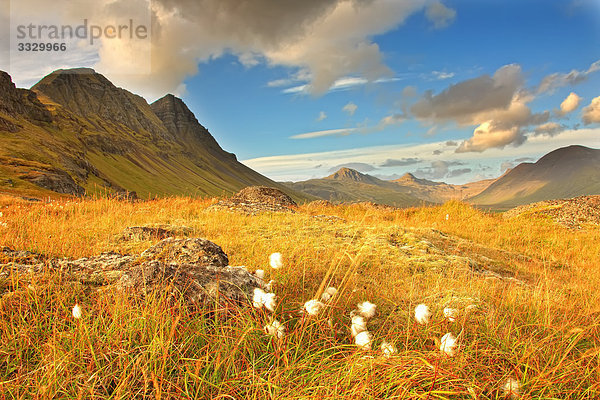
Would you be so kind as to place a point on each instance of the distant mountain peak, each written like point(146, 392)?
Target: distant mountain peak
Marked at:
point(345, 173)
point(410, 179)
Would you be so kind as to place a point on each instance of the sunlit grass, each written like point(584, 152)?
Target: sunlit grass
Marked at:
point(544, 333)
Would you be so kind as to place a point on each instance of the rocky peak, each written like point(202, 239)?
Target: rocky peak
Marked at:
point(16, 102)
point(90, 95)
point(348, 174)
point(181, 122)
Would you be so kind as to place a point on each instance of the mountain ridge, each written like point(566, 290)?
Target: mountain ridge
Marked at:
point(105, 138)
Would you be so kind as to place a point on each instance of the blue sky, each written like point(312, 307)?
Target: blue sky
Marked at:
point(452, 90)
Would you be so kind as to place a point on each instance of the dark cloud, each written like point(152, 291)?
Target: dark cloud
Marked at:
point(437, 152)
point(451, 143)
point(458, 172)
point(390, 162)
point(437, 169)
point(461, 101)
point(557, 80)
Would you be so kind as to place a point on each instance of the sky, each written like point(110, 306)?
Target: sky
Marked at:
point(451, 90)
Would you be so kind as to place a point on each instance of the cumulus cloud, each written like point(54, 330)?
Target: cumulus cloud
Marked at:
point(568, 105)
point(556, 80)
point(350, 108)
point(591, 113)
point(462, 101)
point(489, 135)
point(402, 162)
point(440, 15)
point(409, 91)
point(548, 129)
point(322, 116)
point(496, 105)
point(311, 36)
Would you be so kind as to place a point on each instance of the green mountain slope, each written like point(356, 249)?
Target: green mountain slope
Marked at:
point(76, 132)
point(566, 172)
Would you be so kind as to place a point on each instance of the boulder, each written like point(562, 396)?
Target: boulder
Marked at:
point(194, 270)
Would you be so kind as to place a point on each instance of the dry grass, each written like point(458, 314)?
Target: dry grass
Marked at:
point(545, 332)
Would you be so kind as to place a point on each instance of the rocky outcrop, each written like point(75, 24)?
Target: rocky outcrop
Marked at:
point(572, 213)
point(19, 103)
point(257, 199)
point(194, 270)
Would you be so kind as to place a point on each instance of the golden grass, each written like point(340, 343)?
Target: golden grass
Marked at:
point(545, 332)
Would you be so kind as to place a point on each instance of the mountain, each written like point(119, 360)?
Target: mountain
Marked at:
point(348, 185)
point(75, 132)
point(440, 192)
point(563, 173)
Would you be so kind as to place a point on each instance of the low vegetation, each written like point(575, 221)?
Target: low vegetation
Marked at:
point(526, 291)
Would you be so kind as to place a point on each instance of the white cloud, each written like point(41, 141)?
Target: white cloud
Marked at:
point(322, 116)
point(439, 75)
point(344, 83)
point(330, 132)
point(569, 104)
point(591, 113)
point(350, 108)
point(487, 135)
point(440, 15)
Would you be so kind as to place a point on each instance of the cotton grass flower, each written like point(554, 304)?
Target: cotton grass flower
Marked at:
point(260, 273)
point(448, 344)
point(451, 314)
point(422, 314)
point(366, 309)
point(313, 307)
point(270, 301)
point(276, 260)
point(512, 388)
point(77, 311)
point(257, 299)
point(275, 329)
point(328, 293)
point(359, 324)
point(363, 340)
point(388, 349)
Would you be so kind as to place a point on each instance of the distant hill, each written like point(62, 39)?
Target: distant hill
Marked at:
point(75, 132)
point(563, 173)
point(440, 192)
point(348, 185)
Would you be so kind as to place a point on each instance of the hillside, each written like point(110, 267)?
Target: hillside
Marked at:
point(563, 173)
point(348, 185)
point(76, 132)
point(440, 192)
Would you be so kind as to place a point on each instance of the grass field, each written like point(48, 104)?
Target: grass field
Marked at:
point(536, 319)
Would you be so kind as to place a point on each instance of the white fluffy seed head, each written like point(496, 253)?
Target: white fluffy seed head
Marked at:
point(448, 344)
point(512, 388)
point(269, 300)
point(363, 340)
point(325, 297)
point(313, 307)
point(366, 309)
point(260, 273)
point(328, 293)
point(422, 314)
point(276, 260)
point(275, 329)
point(257, 299)
point(388, 349)
point(451, 314)
point(356, 329)
point(77, 311)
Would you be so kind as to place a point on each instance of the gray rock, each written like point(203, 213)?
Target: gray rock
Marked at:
point(195, 270)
